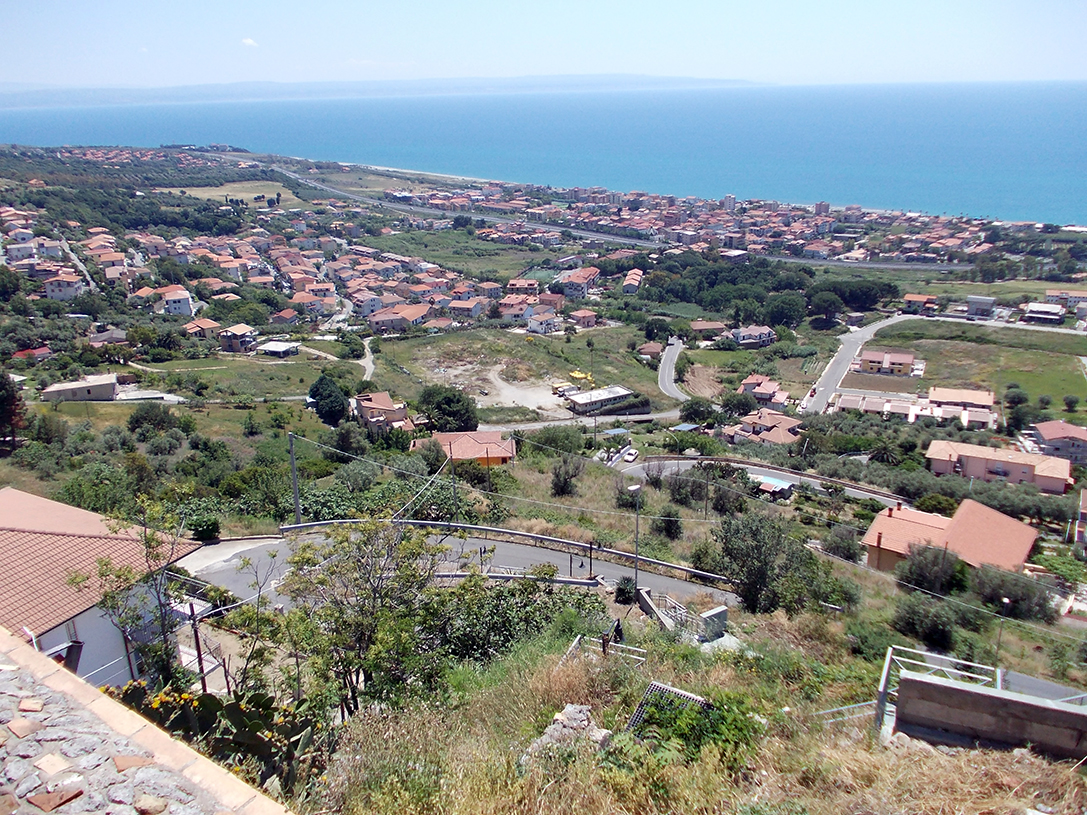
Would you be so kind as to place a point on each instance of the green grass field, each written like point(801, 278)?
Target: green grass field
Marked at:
point(246, 190)
point(457, 250)
point(1042, 363)
point(249, 376)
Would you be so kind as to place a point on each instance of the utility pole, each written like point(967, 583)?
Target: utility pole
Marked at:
point(199, 652)
point(453, 470)
point(294, 481)
point(636, 489)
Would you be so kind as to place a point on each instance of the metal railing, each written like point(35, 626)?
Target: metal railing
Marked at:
point(899, 659)
point(543, 540)
point(682, 615)
point(861, 710)
point(597, 646)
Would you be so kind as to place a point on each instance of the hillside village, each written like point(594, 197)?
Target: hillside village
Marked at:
point(230, 364)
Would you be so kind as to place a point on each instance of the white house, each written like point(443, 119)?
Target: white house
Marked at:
point(42, 543)
point(64, 286)
point(177, 302)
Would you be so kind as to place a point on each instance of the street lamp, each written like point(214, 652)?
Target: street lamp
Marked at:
point(1000, 631)
point(636, 491)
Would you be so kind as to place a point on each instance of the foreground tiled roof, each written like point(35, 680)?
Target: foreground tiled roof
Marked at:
point(472, 445)
point(42, 543)
point(68, 747)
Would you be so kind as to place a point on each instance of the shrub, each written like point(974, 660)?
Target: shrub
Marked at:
point(205, 527)
point(931, 569)
point(870, 641)
point(1029, 600)
point(668, 523)
point(358, 476)
point(931, 621)
point(563, 475)
point(626, 591)
point(842, 543)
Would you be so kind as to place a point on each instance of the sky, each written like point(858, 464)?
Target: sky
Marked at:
point(155, 43)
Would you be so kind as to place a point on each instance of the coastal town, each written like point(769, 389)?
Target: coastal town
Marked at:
point(545, 362)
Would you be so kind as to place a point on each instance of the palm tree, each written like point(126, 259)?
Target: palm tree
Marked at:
point(886, 451)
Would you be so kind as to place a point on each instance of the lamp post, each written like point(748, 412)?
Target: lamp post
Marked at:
point(636, 491)
point(1005, 602)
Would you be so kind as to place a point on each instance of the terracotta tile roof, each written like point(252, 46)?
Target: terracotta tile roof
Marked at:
point(1060, 429)
point(474, 445)
point(977, 534)
point(1049, 466)
point(41, 543)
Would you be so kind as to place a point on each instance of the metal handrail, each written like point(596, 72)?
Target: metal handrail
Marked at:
point(896, 659)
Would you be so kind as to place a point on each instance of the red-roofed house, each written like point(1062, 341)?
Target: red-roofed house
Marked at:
point(584, 318)
point(42, 543)
point(977, 534)
point(485, 446)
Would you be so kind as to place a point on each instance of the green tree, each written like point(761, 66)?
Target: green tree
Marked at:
point(931, 569)
point(138, 595)
point(363, 586)
point(828, 304)
point(885, 451)
point(449, 409)
point(1070, 403)
point(656, 328)
point(937, 503)
point(12, 408)
point(842, 543)
point(737, 404)
point(358, 476)
point(785, 309)
point(1014, 397)
point(697, 410)
point(329, 401)
point(668, 523)
point(564, 475)
point(752, 552)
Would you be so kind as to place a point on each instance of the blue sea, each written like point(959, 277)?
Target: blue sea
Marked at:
point(1010, 151)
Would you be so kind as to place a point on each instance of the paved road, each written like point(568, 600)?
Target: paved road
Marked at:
point(587, 421)
point(754, 470)
point(666, 373)
point(851, 344)
point(219, 564)
point(838, 366)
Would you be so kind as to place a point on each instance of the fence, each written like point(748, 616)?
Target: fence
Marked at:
point(534, 538)
point(899, 658)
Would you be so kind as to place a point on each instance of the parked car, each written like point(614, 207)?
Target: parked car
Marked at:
point(630, 455)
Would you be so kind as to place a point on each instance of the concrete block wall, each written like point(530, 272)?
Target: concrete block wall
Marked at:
point(931, 703)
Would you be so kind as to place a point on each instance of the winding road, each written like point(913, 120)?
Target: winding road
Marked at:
point(666, 373)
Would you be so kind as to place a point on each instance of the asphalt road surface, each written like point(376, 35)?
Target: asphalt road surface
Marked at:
point(666, 373)
point(221, 565)
point(838, 367)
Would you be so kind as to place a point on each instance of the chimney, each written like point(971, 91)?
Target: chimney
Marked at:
point(890, 512)
point(879, 540)
point(899, 505)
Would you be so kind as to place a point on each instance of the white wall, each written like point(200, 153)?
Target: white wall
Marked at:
point(102, 646)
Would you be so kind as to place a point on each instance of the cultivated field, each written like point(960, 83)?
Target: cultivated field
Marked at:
point(246, 190)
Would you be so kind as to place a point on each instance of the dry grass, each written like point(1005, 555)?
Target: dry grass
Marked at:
point(464, 757)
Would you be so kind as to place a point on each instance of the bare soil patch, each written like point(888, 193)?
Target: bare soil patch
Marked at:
point(702, 380)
